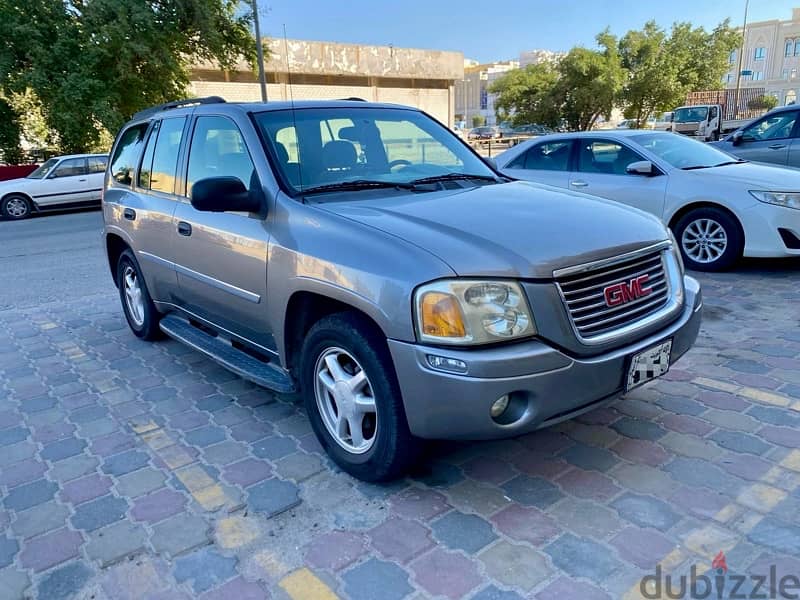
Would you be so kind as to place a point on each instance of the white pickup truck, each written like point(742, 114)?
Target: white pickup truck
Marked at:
point(704, 121)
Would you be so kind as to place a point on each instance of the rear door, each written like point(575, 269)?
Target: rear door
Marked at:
point(768, 139)
point(544, 162)
point(221, 257)
point(67, 184)
point(601, 170)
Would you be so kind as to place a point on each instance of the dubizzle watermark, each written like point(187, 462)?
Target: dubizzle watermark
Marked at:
point(717, 584)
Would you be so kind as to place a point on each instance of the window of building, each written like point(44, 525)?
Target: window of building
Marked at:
point(760, 53)
point(793, 74)
point(729, 78)
point(797, 47)
point(732, 57)
point(788, 48)
point(758, 75)
point(790, 97)
point(785, 74)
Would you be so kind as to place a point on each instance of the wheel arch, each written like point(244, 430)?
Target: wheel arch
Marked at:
point(685, 210)
point(115, 246)
point(28, 197)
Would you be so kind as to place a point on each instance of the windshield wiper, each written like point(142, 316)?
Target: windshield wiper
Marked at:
point(357, 184)
point(452, 177)
point(695, 167)
point(730, 162)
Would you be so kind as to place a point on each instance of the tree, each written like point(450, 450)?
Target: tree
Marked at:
point(93, 63)
point(10, 150)
point(478, 120)
point(765, 103)
point(525, 95)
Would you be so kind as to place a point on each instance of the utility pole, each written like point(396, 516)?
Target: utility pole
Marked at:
point(262, 76)
point(741, 56)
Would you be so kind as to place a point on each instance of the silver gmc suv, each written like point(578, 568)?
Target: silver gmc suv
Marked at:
point(365, 256)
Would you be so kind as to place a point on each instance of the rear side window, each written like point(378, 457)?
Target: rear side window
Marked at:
point(97, 164)
point(160, 161)
point(126, 155)
point(553, 156)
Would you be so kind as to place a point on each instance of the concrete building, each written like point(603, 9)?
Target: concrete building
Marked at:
point(421, 78)
point(472, 96)
point(771, 58)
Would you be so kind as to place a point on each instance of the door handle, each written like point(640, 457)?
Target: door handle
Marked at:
point(184, 228)
point(129, 214)
point(578, 183)
point(776, 146)
point(84, 179)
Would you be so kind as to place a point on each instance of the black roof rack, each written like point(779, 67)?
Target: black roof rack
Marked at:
point(177, 104)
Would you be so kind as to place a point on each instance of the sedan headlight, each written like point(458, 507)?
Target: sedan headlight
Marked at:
point(785, 199)
point(472, 312)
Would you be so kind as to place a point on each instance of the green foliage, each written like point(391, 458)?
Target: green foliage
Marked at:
point(478, 120)
point(765, 103)
point(524, 95)
point(10, 150)
point(93, 63)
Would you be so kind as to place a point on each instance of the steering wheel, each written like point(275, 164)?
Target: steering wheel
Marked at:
point(400, 162)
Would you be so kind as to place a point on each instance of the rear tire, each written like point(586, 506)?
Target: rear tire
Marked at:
point(140, 312)
point(353, 399)
point(709, 239)
point(16, 207)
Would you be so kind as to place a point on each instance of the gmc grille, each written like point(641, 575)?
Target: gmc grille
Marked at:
point(584, 294)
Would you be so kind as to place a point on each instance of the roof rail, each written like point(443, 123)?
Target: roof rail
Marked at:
point(177, 104)
point(353, 99)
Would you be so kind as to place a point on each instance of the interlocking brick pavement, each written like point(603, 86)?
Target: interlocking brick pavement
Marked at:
point(138, 470)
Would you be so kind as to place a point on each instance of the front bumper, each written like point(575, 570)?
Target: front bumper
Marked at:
point(551, 385)
point(762, 223)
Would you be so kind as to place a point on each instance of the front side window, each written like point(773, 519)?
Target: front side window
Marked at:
point(218, 150)
point(605, 156)
point(44, 169)
point(97, 164)
point(70, 167)
point(314, 147)
point(774, 127)
point(552, 156)
point(126, 155)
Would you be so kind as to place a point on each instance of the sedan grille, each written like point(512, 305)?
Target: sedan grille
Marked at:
point(584, 294)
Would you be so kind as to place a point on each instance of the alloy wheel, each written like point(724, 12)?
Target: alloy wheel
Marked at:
point(704, 240)
point(133, 295)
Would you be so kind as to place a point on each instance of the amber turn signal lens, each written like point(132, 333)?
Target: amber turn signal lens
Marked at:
point(441, 316)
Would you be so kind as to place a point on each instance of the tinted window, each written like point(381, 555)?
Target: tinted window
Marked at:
point(165, 157)
point(772, 128)
point(71, 167)
point(97, 164)
point(553, 156)
point(218, 150)
point(125, 156)
point(605, 156)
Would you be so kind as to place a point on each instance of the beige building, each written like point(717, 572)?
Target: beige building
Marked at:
point(771, 58)
point(327, 70)
point(472, 96)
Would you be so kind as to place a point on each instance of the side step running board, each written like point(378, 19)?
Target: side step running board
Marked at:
point(244, 365)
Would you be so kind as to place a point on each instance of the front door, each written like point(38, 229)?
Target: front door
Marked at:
point(221, 257)
point(601, 170)
point(768, 139)
point(67, 184)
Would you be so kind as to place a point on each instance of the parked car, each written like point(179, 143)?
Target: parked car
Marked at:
point(485, 133)
point(408, 291)
point(719, 207)
point(774, 138)
point(531, 130)
point(61, 182)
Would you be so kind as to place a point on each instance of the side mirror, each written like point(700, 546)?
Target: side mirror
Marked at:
point(221, 194)
point(490, 161)
point(737, 137)
point(641, 167)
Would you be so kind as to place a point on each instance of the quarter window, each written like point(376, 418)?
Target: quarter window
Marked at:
point(126, 154)
point(605, 156)
point(552, 156)
point(71, 167)
point(218, 150)
point(97, 164)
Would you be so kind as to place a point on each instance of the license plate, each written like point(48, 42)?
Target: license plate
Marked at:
point(648, 365)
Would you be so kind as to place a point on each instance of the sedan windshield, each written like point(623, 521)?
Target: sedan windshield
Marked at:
point(681, 151)
point(365, 148)
point(690, 114)
point(43, 170)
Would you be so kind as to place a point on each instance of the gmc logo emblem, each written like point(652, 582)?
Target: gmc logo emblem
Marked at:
point(627, 291)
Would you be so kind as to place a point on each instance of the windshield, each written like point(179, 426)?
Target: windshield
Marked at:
point(690, 114)
point(43, 170)
point(681, 151)
point(315, 147)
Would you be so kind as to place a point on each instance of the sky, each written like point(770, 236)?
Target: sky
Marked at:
point(487, 30)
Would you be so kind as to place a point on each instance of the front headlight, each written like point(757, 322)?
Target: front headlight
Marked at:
point(461, 311)
point(785, 199)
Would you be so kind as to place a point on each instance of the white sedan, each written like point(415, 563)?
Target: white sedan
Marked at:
point(719, 207)
point(61, 182)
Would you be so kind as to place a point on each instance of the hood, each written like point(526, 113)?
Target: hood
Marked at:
point(519, 229)
point(14, 182)
point(754, 176)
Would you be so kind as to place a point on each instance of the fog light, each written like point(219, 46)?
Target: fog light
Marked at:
point(443, 363)
point(499, 406)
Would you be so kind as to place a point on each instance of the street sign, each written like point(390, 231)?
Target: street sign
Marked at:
point(746, 73)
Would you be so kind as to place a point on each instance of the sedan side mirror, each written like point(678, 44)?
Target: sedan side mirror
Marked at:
point(641, 167)
point(737, 137)
point(221, 194)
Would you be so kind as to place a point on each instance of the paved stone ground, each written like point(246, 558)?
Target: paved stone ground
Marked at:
point(137, 470)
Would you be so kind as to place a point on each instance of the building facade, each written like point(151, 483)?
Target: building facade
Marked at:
point(299, 69)
point(771, 58)
point(472, 95)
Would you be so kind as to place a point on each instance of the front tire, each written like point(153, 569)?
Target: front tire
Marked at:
point(140, 312)
point(709, 239)
point(353, 399)
point(16, 207)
